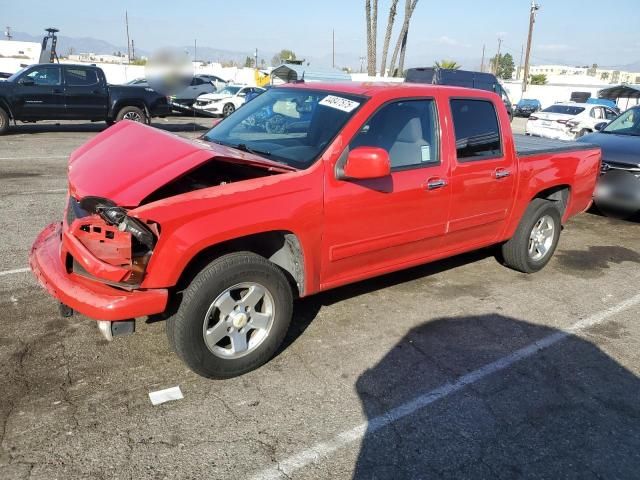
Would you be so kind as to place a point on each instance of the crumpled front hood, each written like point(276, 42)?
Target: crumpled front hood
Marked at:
point(616, 148)
point(129, 161)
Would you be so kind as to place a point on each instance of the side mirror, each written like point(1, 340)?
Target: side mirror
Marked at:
point(27, 82)
point(367, 162)
point(600, 126)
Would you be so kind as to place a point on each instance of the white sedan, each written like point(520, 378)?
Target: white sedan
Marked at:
point(224, 102)
point(568, 120)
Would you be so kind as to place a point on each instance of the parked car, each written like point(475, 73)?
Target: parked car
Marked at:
point(220, 234)
point(226, 101)
point(526, 107)
point(460, 78)
point(618, 189)
point(75, 92)
point(200, 85)
point(567, 120)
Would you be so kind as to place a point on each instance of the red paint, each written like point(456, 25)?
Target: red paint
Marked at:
point(349, 229)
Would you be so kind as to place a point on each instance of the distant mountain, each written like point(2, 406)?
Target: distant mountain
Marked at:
point(79, 45)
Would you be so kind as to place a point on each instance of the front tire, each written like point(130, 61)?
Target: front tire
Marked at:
point(4, 122)
point(233, 316)
point(228, 109)
point(535, 239)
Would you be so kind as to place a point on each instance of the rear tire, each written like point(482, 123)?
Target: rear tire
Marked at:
point(134, 114)
point(4, 122)
point(233, 316)
point(533, 244)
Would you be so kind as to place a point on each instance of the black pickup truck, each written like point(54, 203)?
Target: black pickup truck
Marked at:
point(74, 92)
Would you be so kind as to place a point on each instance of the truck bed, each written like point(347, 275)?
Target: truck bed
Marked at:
point(527, 145)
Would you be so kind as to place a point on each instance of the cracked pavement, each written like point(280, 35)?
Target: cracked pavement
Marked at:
point(74, 406)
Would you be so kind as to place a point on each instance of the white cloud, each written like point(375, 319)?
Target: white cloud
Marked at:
point(452, 42)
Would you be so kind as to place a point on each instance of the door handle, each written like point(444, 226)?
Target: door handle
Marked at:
point(502, 173)
point(434, 183)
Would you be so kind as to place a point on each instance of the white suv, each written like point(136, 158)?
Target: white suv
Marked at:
point(568, 120)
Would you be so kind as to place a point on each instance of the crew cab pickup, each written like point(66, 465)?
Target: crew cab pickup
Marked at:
point(220, 234)
point(74, 92)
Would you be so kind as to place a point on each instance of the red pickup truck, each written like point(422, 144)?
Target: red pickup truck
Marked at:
point(305, 188)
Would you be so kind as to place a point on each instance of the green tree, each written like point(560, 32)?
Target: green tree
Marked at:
point(282, 56)
point(248, 62)
point(447, 64)
point(539, 79)
point(503, 65)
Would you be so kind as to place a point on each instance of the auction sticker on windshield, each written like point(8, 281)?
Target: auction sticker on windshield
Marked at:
point(339, 103)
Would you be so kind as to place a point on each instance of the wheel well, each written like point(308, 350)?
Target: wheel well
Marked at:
point(280, 247)
point(559, 194)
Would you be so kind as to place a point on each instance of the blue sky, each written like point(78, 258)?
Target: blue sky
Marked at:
point(569, 31)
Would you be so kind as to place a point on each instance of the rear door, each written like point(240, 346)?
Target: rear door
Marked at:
point(86, 93)
point(40, 94)
point(483, 175)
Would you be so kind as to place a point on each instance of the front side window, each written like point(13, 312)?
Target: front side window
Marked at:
point(288, 125)
point(476, 127)
point(46, 76)
point(626, 124)
point(81, 77)
point(407, 130)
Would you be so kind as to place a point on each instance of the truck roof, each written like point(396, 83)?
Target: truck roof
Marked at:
point(371, 89)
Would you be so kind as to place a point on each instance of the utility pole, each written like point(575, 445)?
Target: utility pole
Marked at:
point(520, 63)
point(496, 62)
point(126, 21)
point(8, 33)
point(255, 59)
point(133, 50)
point(333, 48)
point(532, 19)
point(195, 49)
point(482, 61)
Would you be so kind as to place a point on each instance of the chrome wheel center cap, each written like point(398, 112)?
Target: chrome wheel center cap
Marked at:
point(239, 320)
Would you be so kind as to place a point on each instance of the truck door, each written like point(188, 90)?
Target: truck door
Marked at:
point(86, 93)
point(380, 224)
point(40, 94)
point(483, 175)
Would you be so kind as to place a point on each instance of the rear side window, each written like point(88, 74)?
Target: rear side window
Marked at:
point(406, 130)
point(476, 127)
point(81, 77)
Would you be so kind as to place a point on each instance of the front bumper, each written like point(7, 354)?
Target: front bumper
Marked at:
point(618, 189)
point(215, 108)
point(89, 297)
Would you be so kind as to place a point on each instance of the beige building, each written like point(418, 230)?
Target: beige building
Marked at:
point(606, 75)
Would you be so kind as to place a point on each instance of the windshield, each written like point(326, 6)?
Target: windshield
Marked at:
point(626, 124)
point(290, 126)
point(565, 109)
point(229, 90)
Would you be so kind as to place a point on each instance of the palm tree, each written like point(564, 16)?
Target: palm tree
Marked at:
point(372, 34)
point(401, 44)
point(447, 64)
point(387, 36)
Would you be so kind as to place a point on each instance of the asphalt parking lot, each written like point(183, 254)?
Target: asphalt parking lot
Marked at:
point(458, 369)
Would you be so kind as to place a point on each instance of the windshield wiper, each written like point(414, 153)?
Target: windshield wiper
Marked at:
point(245, 148)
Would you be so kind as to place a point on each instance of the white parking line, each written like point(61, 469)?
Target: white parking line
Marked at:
point(14, 271)
point(316, 453)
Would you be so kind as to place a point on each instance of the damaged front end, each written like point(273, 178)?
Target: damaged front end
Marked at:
point(104, 243)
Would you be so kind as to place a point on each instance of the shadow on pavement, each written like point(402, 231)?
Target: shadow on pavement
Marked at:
point(569, 411)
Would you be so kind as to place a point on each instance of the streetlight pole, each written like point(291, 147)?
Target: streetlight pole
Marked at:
point(532, 19)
